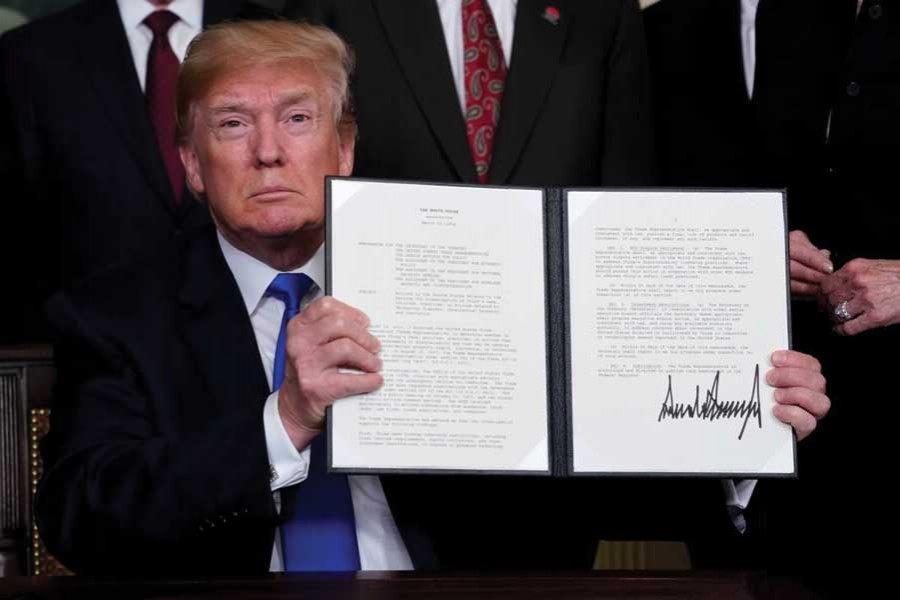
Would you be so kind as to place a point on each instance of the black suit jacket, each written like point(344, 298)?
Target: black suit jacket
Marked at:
point(575, 110)
point(156, 458)
point(824, 122)
point(711, 133)
point(86, 181)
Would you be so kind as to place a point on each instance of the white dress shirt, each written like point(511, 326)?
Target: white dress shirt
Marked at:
point(748, 41)
point(504, 12)
point(380, 546)
point(133, 13)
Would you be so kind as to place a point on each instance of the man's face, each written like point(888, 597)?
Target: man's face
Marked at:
point(263, 141)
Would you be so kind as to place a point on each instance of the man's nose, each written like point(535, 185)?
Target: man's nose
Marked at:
point(268, 146)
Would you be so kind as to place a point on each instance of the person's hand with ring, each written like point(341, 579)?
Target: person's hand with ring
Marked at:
point(863, 294)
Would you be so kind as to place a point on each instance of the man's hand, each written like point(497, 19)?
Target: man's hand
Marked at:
point(809, 265)
point(799, 390)
point(325, 337)
point(871, 290)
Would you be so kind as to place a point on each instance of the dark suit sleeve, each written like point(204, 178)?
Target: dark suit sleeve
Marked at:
point(125, 488)
point(629, 157)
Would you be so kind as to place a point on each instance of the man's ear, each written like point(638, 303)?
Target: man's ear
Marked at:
point(191, 163)
point(346, 147)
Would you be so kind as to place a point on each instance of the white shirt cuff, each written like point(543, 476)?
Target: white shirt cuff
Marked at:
point(737, 497)
point(287, 465)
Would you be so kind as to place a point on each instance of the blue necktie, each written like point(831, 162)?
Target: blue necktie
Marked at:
point(320, 533)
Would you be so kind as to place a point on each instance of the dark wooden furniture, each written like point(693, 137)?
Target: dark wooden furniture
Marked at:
point(26, 380)
point(377, 586)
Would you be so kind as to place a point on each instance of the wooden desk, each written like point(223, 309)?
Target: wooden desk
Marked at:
point(378, 586)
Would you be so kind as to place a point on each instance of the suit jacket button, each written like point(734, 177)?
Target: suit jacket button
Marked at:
point(875, 12)
point(853, 89)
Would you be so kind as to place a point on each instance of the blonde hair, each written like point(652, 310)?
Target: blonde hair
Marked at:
point(230, 47)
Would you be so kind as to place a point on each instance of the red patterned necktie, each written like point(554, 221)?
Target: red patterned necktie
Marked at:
point(162, 73)
point(485, 78)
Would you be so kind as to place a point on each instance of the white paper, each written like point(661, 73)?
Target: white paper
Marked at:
point(452, 279)
point(683, 285)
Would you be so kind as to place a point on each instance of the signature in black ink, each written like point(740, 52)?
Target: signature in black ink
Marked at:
point(711, 409)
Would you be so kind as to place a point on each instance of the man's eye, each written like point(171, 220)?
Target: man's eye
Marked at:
point(231, 124)
point(299, 118)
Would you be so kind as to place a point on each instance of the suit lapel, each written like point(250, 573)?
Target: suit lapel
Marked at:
point(537, 47)
point(417, 37)
point(108, 60)
point(217, 330)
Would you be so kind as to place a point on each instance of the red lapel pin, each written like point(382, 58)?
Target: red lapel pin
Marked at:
point(551, 15)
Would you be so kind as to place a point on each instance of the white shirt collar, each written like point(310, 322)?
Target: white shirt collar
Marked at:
point(134, 12)
point(254, 276)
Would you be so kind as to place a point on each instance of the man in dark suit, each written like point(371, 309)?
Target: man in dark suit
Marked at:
point(192, 388)
point(170, 456)
point(574, 108)
point(83, 158)
point(804, 95)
